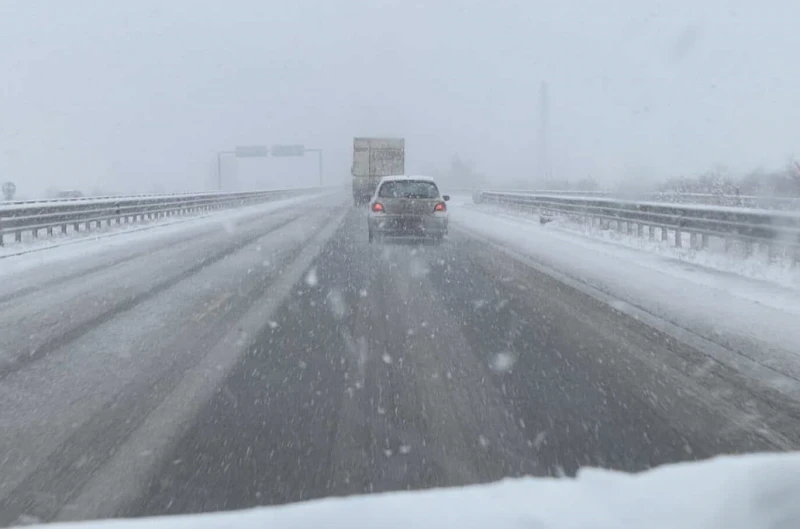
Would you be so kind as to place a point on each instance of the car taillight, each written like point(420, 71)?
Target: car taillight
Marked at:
point(377, 207)
point(440, 207)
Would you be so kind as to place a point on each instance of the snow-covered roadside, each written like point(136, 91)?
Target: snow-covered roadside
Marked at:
point(64, 250)
point(754, 322)
point(758, 265)
point(741, 492)
point(105, 232)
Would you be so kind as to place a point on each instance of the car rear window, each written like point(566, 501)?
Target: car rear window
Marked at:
point(408, 189)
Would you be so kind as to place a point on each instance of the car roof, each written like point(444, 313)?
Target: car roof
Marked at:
point(407, 177)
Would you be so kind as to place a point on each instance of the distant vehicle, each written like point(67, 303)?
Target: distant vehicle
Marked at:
point(407, 205)
point(374, 158)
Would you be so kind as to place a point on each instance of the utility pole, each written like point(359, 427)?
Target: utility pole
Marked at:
point(544, 154)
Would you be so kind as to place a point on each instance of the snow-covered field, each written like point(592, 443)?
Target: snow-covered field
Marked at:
point(744, 323)
point(744, 492)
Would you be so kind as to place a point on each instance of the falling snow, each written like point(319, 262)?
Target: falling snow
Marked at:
point(311, 278)
point(503, 362)
point(346, 369)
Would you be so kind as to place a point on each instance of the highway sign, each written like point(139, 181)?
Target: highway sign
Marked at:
point(251, 151)
point(288, 150)
point(9, 188)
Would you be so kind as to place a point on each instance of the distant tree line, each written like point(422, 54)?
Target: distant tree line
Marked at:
point(719, 181)
point(716, 181)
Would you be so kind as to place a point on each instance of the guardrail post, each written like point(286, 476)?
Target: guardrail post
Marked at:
point(677, 238)
point(18, 236)
point(63, 229)
point(693, 240)
point(664, 233)
point(640, 230)
point(704, 241)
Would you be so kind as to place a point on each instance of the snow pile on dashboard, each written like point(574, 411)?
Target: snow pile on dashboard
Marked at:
point(753, 491)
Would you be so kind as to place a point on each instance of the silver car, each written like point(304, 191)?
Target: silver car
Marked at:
point(407, 205)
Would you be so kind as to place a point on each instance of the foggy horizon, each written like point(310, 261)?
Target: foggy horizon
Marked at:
point(141, 97)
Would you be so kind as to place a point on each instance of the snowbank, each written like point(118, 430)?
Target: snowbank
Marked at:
point(758, 265)
point(748, 325)
point(753, 491)
point(49, 251)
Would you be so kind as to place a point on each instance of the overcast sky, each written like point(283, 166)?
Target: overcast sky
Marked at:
point(121, 95)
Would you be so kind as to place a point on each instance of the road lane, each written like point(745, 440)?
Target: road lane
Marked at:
point(405, 366)
point(65, 413)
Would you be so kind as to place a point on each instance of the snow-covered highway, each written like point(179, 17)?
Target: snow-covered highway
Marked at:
point(270, 354)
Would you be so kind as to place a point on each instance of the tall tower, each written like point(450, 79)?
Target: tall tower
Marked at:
point(543, 163)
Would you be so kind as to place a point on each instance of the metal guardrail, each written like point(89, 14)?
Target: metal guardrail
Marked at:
point(710, 199)
point(743, 201)
point(776, 229)
point(70, 215)
point(32, 201)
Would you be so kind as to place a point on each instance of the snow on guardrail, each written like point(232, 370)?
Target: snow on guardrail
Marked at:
point(710, 199)
point(70, 215)
point(778, 230)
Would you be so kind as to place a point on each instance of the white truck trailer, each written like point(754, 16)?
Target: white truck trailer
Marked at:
point(374, 158)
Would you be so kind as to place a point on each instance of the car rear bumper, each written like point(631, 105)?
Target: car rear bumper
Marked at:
point(408, 225)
